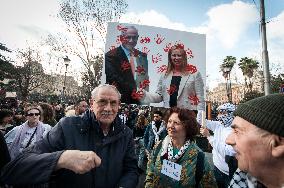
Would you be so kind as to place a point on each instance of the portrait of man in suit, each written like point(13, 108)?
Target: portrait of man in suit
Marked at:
point(127, 67)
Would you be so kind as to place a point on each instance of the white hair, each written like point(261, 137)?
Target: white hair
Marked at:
point(96, 90)
point(123, 31)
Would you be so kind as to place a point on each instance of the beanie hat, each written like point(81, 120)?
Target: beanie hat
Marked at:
point(265, 112)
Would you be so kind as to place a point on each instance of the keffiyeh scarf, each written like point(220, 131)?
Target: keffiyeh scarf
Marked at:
point(158, 132)
point(226, 119)
point(167, 147)
point(244, 180)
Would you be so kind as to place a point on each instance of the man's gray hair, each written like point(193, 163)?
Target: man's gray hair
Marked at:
point(96, 90)
point(123, 31)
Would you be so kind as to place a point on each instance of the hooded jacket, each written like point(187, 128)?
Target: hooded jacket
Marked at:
point(116, 150)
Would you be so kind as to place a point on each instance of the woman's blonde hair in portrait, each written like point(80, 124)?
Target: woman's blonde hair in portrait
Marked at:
point(170, 66)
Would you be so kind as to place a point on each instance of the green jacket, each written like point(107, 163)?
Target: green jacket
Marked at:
point(155, 179)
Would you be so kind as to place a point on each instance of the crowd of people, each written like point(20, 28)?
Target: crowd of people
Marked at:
point(106, 144)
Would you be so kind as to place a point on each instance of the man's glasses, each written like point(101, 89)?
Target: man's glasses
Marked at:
point(104, 102)
point(33, 114)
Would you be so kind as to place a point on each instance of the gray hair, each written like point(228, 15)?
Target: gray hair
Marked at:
point(123, 31)
point(96, 90)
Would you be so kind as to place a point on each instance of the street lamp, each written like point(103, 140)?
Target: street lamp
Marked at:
point(226, 73)
point(66, 62)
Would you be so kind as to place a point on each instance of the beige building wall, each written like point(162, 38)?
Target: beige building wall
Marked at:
point(219, 94)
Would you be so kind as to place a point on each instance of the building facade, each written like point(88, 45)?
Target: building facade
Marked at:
point(219, 94)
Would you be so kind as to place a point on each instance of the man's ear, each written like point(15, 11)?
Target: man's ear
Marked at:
point(277, 146)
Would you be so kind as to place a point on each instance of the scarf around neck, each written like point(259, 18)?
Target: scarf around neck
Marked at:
point(167, 147)
point(156, 132)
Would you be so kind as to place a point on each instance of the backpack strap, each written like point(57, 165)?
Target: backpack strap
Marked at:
point(199, 168)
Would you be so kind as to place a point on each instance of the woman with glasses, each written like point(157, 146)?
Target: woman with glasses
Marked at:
point(28, 133)
point(177, 161)
point(180, 85)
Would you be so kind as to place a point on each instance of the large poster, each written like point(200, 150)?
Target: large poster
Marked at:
point(157, 66)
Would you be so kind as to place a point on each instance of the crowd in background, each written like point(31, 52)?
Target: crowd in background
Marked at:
point(157, 133)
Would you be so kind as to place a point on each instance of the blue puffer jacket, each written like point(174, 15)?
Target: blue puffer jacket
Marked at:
point(118, 167)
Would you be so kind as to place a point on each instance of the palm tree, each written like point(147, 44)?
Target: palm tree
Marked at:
point(248, 65)
point(226, 68)
point(227, 65)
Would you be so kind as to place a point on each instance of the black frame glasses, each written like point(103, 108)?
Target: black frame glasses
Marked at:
point(105, 102)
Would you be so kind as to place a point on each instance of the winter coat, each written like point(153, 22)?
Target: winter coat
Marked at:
point(188, 161)
point(118, 166)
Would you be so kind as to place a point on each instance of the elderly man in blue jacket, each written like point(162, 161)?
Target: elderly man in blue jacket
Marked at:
point(93, 150)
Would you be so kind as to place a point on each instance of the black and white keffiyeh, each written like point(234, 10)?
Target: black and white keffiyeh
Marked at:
point(244, 180)
point(171, 156)
point(239, 180)
point(167, 147)
point(226, 119)
point(156, 132)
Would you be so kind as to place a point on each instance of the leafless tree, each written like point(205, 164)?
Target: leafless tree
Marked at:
point(86, 22)
point(28, 72)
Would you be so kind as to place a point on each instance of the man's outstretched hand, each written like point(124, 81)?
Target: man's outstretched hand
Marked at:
point(78, 161)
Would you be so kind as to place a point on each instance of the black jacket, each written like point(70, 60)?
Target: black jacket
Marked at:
point(4, 153)
point(118, 167)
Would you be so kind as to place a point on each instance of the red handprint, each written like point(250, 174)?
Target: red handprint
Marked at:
point(121, 28)
point(140, 70)
point(191, 68)
point(112, 50)
point(125, 66)
point(159, 39)
point(179, 45)
point(135, 53)
point(157, 58)
point(136, 95)
point(189, 53)
point(193, 99)
point(145, 50)
point(145, 40)
point(162, 68)
point(168, 47)
point(172, 89)
point(122, 38)
point(144, 84)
